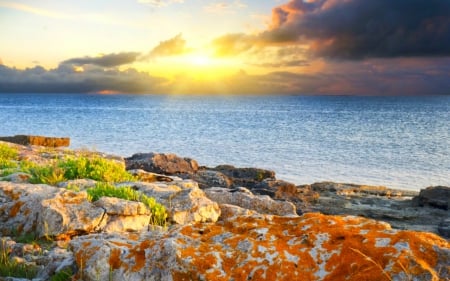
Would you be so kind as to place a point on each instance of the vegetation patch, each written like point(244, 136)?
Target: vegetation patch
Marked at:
point(8, 156)
point(96, 168)
point(82, 167)
point(101, 189)
point(11, 268)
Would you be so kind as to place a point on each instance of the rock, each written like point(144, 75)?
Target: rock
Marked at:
point(209, 178)
point(444, 227)
point(301, 196)
point(78, 184)
point(18, 177)
point(265, 247)
point(184, 201)
point(37, 140)
point(20, 206)
point(69, 213)
point(228, 211)
point(435, 196)
point(117, 206)
point(124, 215)
point(243, 198)
point(381, 203)
point(169, 164)
point(144, 176)
point(47, 211)
point(246, 177)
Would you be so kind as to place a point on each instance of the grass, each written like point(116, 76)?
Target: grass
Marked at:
point(96, 168)
point(158, 211)
point(9, 268)
point(62, 275)
point(70, 168)
point(8, 156)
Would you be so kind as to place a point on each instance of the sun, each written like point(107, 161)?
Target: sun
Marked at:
point(199, 60)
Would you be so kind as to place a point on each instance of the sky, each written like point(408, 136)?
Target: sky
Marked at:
point(307, 47)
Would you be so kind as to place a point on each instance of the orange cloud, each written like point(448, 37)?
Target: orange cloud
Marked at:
point(172, 47)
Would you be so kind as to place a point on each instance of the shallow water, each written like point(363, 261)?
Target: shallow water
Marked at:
point(400, 142)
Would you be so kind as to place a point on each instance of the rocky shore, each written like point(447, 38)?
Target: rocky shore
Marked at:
point(222, 223)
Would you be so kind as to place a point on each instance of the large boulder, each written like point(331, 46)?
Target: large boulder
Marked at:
point(69, 213)
point(37, 140)
point(169, 164)
point(243, 198)
point(434, 196)
point(47, 211)
point(20, 206)
point(265, 247)
point(185, 202)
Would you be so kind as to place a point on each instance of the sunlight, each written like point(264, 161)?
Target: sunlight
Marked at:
point(200, 60)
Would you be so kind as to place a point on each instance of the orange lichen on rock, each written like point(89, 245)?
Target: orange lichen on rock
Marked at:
point(312, 247)
point(266, 247)
point(114, 258)
point(16, 208)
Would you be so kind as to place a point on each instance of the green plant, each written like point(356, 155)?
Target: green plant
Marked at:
point(8, 156)
point(101, 189)
point(9, 268)
point(47, 174)
point(62, 275)
point(96, 168)
point(8, 152)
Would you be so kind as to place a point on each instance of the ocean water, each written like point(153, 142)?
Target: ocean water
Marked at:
point(399, 142)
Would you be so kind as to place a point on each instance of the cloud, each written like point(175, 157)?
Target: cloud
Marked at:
point(288, 63)
point(159, 3)
point(109, 60)
point(34, 10)
point(224, 7)
point(357, 29)
point(171, 47)
point(65, 79)
point(394, 76)
point(233, 44)
point(353, 29)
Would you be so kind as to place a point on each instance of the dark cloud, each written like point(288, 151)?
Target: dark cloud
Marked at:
point(171, 47)
point(353, 29)
point(394, 76)
point(356, 29)
point(109, 60)
point(65, 79)
point(289, 63)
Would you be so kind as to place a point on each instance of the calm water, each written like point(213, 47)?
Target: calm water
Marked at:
point(400, 142)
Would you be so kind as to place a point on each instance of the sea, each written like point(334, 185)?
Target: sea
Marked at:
point(398, 142)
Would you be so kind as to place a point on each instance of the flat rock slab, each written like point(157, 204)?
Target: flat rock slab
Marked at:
point(37, 140)
point(264, 247)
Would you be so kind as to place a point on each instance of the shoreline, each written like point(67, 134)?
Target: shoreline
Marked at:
point(164, 217)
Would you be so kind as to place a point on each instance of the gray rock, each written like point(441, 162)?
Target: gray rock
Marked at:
point(144, 176)
point(209, 178)
point(434, 196)
point(243, 198)
point(169, 164)
point(246, 177)
point(184, 201)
